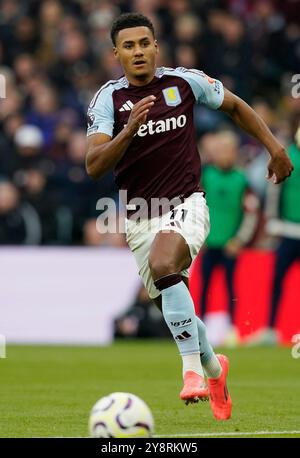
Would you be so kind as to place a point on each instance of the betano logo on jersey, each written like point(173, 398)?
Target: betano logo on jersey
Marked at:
point(172, 96)
point(163, 125)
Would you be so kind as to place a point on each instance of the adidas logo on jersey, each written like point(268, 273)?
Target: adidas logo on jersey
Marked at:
point(163, 125)
point(127, 106)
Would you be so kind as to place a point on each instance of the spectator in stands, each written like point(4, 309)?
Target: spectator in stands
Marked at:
point(19, 224)
point(31, 177)
point(7, 151)
point(95, 232)
point(142, 319)
point(75, 194)
point(233, 218)
point(44, 111)
point(54, 55)
point(12, 100)
point(61, 136)
point(227, 52)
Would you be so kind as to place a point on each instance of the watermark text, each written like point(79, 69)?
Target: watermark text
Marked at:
point(296, 347)
point(2, 346)
point(296, 88)
point(2, 87)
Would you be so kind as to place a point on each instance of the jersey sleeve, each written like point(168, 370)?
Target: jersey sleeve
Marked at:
point(100, 114)
point(207, 91)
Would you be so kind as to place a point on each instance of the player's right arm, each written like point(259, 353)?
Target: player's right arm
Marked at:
point(245, 117)
point(104, 152)
point(212, 93)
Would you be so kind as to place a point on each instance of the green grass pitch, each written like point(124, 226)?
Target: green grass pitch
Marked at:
point(48, 391)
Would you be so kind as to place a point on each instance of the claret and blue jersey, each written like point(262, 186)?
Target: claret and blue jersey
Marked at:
point(162, 159)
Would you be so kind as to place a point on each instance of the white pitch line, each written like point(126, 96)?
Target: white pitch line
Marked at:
point(237, 433)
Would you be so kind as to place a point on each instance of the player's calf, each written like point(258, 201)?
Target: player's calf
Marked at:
point(179, 314)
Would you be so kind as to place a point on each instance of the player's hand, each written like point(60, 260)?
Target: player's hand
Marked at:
point(139, 113)
point(233, 247)
point(279, 167)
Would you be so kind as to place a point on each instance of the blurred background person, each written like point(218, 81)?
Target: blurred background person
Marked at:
point(30, 175)
point(283, 221)
point(233, 209)
point(98, 232)
point(19, 223)
point(141, 319)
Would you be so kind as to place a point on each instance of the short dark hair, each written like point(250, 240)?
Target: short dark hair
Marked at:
point(127, 21)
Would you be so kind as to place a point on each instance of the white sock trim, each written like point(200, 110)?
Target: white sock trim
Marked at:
point(192, 362)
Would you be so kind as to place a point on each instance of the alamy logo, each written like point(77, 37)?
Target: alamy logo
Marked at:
point(296, 347)
point(163, 125)
point(296, 88)
point(2, 87)
point(2, 346)
point(127, 106)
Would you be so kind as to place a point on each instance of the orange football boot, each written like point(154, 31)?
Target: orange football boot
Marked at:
point(194, 388)
point(220, 400)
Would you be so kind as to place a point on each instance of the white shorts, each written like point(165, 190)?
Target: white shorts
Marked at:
point(190, 219)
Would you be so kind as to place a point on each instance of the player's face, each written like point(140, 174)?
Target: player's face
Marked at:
point(136, 49)
point(226, 155)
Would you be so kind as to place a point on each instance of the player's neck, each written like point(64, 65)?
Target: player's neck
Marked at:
point(143, 81)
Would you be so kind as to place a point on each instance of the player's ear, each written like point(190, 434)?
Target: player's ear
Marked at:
point(156, 46)
point(116, 54)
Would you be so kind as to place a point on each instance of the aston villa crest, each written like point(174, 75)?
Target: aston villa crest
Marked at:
point(172, 96)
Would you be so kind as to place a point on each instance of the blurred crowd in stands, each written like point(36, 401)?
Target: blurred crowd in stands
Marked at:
point(54, 55)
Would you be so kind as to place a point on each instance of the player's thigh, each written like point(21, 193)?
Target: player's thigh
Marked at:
point(139, 237)
point(191, 221)
point(169, 254)
point(182, 234)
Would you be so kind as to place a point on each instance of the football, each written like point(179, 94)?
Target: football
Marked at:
point(121, 415)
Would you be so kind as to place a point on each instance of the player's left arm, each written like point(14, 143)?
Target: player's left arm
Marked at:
point(245, 117)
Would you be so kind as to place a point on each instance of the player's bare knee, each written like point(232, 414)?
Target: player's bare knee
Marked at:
point(161, 267)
